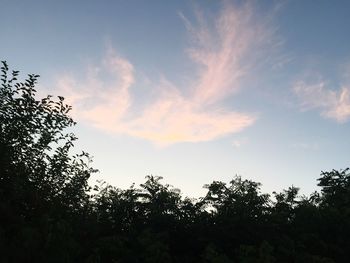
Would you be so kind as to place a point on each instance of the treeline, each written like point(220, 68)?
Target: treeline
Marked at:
point(49, 213)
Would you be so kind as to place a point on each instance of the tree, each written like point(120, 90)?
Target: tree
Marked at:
point(335, 188)
point(42, 187)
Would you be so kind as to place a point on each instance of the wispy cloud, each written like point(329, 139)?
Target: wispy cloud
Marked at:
point(239, 142)
point(101, 101)
point(223, 50)
point(333, 104)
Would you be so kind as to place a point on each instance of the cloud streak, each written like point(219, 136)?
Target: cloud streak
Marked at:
point(222, 51)
point(333, 104)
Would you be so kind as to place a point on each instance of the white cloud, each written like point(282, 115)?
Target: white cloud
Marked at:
point(239, 142)
point(333, 104)
point(223, 51)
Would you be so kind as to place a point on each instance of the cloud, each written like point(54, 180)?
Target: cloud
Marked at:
point(333, 104)
point(99, 101)
point(239, 142)
point(223, 51)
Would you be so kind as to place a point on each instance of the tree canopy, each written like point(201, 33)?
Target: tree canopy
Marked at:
point(49, 213)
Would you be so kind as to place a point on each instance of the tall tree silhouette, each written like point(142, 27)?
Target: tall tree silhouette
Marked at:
point(42, 186)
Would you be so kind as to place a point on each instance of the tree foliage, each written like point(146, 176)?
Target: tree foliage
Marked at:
point(49, 213)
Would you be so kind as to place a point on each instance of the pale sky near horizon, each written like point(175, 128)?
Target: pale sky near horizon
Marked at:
point(194, 91)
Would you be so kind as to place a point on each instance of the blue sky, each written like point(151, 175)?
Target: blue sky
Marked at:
point(194, 91)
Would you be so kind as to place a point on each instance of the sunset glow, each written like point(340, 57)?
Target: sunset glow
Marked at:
point(194, 90)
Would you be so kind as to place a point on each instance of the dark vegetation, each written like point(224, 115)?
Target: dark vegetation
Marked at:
point(49, 213)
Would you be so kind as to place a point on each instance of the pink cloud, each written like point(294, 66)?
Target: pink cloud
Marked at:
point(334, 104)
point(223, 52)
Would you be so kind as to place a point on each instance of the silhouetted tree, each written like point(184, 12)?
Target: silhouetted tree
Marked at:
point(42, 187)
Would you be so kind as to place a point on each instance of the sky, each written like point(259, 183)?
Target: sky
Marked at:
point(194, 91)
